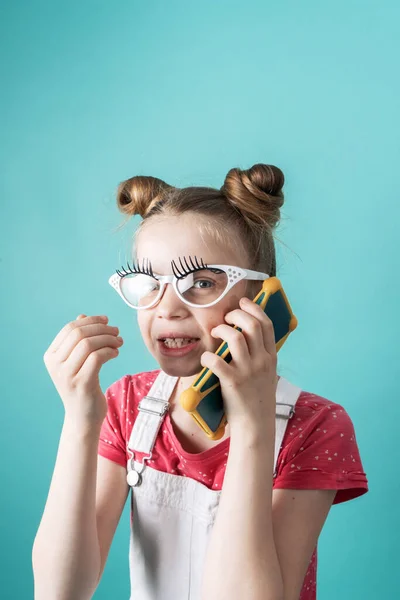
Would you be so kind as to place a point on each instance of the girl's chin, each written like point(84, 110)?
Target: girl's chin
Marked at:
point(179, 370)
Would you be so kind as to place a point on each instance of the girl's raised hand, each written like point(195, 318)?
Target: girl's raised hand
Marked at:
point(249, 381)
point(74, 360)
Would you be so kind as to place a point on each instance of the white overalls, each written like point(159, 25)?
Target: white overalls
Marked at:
point(172, 515)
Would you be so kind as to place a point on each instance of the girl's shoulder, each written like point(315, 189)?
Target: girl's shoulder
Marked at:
point(311, 403)
point(316, 416)
point(314, 407)
point(320, 451)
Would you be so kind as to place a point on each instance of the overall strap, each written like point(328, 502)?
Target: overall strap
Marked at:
point(286, 398)
point(152, 410)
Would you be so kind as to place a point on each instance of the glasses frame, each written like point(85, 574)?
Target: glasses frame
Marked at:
point(235, 274)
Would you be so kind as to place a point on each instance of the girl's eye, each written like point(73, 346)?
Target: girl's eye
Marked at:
point(203, 287)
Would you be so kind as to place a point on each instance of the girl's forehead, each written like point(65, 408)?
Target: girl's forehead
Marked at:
point(169, 239)
point(163, 264)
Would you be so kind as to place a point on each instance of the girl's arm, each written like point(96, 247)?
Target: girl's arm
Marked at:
point(66, 553)
point(79, 521)
point(262, 540)
point(241, 560)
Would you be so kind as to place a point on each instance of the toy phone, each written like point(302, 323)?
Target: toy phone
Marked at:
point(203, 400)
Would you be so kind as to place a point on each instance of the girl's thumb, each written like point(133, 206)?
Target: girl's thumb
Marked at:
point(80, 317)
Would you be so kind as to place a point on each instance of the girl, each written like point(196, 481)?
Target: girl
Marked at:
point(238, 518)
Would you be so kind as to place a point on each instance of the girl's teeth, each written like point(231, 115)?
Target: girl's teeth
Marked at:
point(177, 343)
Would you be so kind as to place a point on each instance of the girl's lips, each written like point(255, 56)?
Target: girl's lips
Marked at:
point(177, 351)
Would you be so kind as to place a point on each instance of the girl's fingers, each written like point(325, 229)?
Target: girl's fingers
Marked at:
point(77, 358)
point(266, 324)
point(79, 335)
point(251, 329)
point(216, 364)
point(236, 341)
point(66, 330)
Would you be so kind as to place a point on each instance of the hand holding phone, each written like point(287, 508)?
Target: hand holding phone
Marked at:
point(203, 400)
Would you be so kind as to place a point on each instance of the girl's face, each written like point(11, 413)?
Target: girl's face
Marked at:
point(162, 241)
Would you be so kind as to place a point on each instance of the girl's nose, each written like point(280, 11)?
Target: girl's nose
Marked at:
point(169, 303)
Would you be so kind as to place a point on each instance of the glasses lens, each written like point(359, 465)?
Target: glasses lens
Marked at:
point(203, 286)
point(139, 290)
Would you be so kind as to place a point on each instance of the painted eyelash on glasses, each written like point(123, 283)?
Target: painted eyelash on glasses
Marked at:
point(145, 269)
point(185, 269)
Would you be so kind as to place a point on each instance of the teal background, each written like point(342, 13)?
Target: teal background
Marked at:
point(94, 92)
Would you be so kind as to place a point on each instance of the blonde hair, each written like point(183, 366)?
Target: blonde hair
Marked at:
point(248, 202)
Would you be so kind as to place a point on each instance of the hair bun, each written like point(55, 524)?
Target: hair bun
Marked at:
point(256, 193)
point(138, 195)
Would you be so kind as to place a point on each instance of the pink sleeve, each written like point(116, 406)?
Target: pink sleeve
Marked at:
point(113, 431)
point(326, 457)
